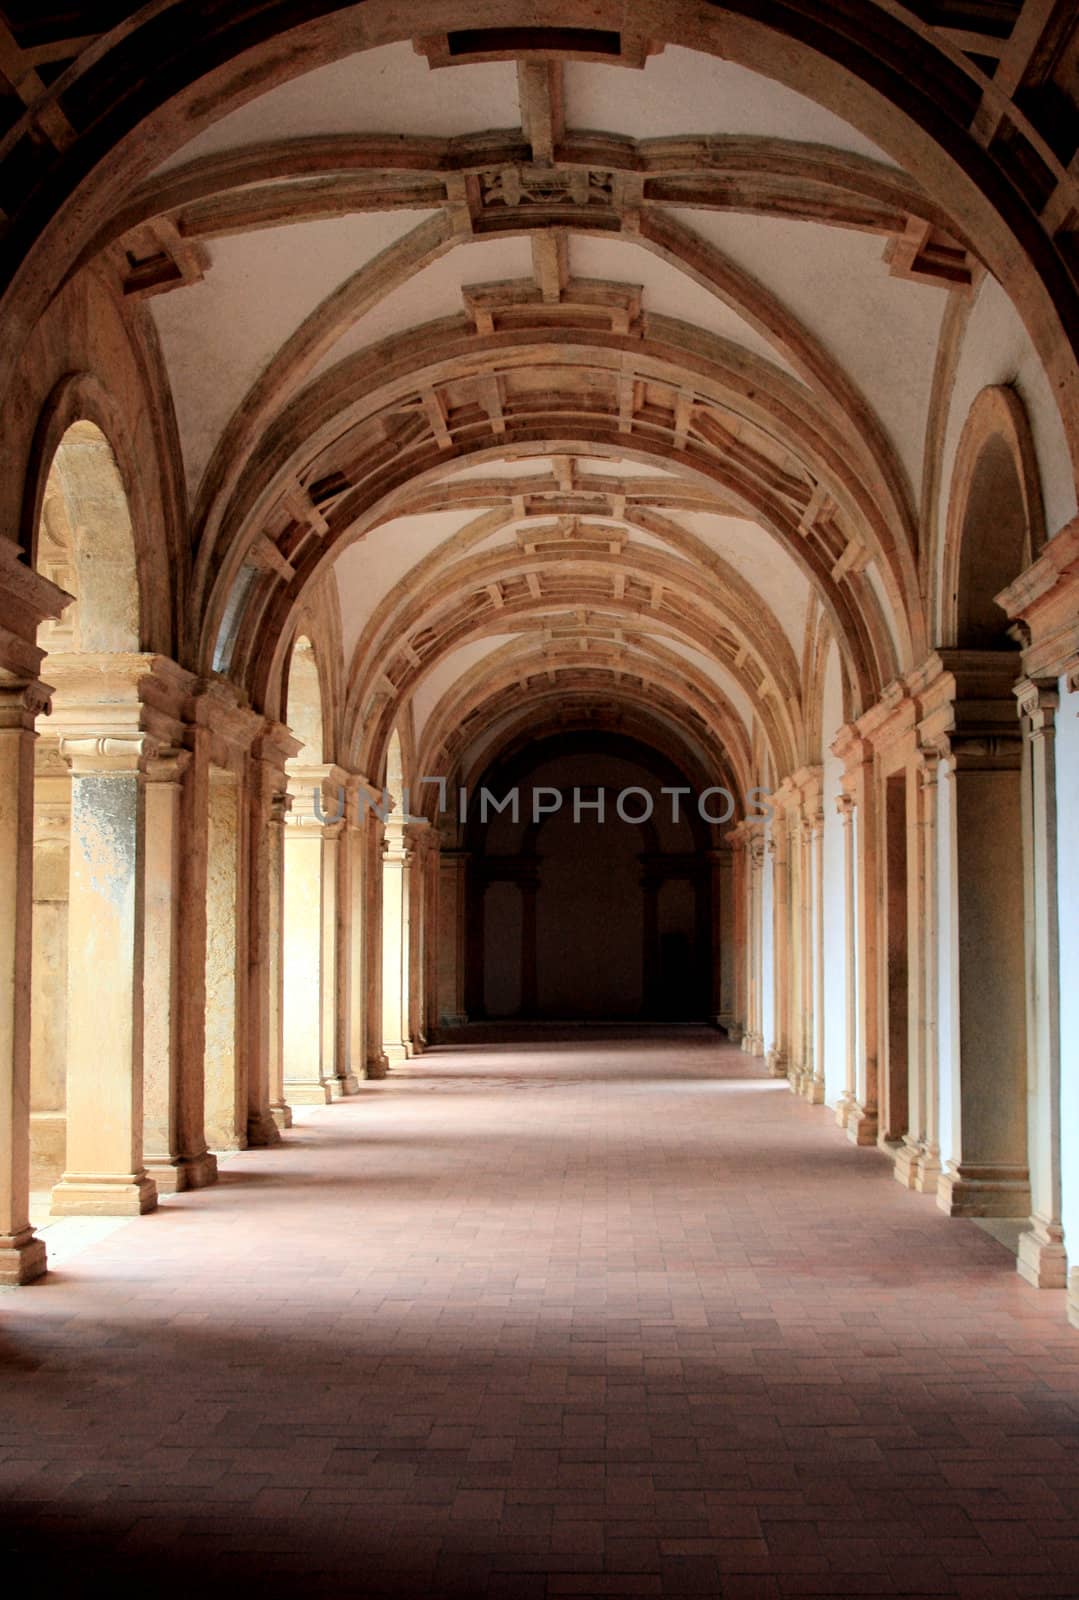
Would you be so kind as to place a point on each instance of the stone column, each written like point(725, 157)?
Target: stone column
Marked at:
point(267, 1109)
point(355, 953)
point(48, 1006)
point(309, 930)
point(225, 1085)
point(420, 840)
point(1042, 1258)
point(779, 1054)
point(431, 940)
point(397, 862)
point(337, 948)
point(855, 752)
point(176, 1156)
point(849, 1098)
point(813, 1085)
point(452, 949)
point(736, 840)
point(970, 719)
point(22, 699)
point(377, 1063)
point(917, 1163)
point(280, 1109)
point(752, 1039)
point(104, 1173)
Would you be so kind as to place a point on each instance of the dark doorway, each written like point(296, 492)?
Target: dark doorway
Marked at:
point(578, 911)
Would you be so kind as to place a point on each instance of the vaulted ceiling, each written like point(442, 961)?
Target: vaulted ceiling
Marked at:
point(573, 379)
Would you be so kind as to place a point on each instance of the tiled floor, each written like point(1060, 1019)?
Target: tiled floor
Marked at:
point(599, 1317)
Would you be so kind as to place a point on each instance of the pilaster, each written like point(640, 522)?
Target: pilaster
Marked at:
point(397, 861)
point(452, 937)
point(1042, 1258)
point(855, 751)
point(104, 1171)
point(25, 600)
point(848, 1100)
point(967, 708)
point(313, 827)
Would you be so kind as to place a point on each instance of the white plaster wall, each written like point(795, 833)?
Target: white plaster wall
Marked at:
point(997, 349)
point(768, 992)
point(1067, 750)
point(883, 330)
point(669, 292)
point(948, 948)
point(219, 335)
point(681, 90)
point(834, 894)
point(390, 89)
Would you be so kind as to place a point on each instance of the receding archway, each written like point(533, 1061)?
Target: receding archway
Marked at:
point(89, 934)
point(994, 528)
point(591, 885)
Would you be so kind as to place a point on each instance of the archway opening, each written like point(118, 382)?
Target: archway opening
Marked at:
point(995, 547)
point(590, 886)
point(87, 959)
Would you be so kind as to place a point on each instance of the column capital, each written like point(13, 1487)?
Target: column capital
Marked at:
point(22, 700)
point(166, 765)
point(107, 753)
point(1039, 701)
point(26, 600)
point(275, 746)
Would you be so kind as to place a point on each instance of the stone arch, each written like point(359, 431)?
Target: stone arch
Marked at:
point(995, 524)
point(305, 701)
point(905, 84)
point(85, 543)
point(89, 508)
point(89, 832)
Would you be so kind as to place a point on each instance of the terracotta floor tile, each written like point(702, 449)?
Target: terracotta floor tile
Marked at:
point(594, 1317)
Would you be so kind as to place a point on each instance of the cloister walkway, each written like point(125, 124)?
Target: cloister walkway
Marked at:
point(593, 1315)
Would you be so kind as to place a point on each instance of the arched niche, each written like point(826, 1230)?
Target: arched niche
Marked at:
point(83, 540)
point(304, 709)
point(85, 543)
point(996, 524)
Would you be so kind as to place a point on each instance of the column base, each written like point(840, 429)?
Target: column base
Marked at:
point(927, 1175)
point(1042, 1259)
point(341, 1088)
point(843, 1109)
point(397, 1051)
point(22, 1257)
point(282, 1114)
point(376, 1067)
point(861, 1125)
point(917, 1166)
point(776, 1063)
point(997, 1191)
point(813, 1090)
point(91, 1195)
point(316, 1093)
point(734, 1032)
point(174, 1174)
point(48, 1148)
point(907, 1158)
point(1073, 1297)
point(262, 1131)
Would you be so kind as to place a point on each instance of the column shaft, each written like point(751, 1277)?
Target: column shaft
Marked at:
point(22, 1254)
point(104, 1172)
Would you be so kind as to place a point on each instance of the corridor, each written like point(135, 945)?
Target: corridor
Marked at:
point(589, 1313)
